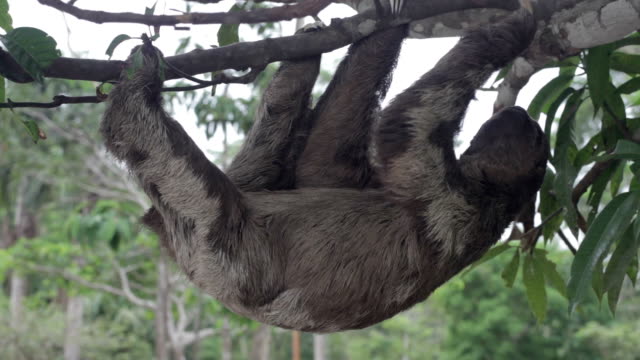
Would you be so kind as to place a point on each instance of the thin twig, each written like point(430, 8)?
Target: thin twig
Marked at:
point(281, 13)
point(588, 179)
point(566, 241)
point(58, 100)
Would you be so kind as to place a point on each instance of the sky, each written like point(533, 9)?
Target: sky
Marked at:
point(78, 38)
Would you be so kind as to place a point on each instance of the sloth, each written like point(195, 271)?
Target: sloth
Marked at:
point(340, 216)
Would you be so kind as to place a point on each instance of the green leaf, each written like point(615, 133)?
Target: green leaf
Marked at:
point(553, 108)
point(597, 62)
point(608, 226)
point(624, 62)
point(5, 19)
point(552, 276)
point(564, 160)
point(502, 73)
point(228, 33)
point(33, 49)
point(627, 150)
point(533, 279)
point(633, 39)
point(492, 253)
point(630, 86)
point(632, 270)
point(616, 179)
point(150, 10)
point(597, 190)
point(33, 129)
point(3, 93)
point(548, 94)
point(620, 261)
point(107, 231)
point(597, 281)
point(115, 42)
point(511, 270)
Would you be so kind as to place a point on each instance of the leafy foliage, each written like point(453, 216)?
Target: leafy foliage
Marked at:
point(595, 137)
point(32, 48)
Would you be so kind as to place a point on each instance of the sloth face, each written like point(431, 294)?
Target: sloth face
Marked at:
point(509, 151)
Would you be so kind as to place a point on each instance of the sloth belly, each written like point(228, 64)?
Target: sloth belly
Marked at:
point(353, 259)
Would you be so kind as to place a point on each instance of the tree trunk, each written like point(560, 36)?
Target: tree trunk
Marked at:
point(295, 345)
point(227, 341)
point(18, 293)
point(73, 328)
point(319, 347)
point(261, 343)
point(162, 317)
point(178, 352)
point(406, 345)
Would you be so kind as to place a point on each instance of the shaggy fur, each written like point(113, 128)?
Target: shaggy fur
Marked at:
point(339, 217)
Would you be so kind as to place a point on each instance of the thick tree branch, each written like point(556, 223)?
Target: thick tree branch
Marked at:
point(285, 12)
point(340, 33)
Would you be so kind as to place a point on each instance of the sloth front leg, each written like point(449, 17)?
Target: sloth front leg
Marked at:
point(208, 226)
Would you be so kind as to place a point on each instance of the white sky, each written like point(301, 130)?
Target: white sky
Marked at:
point(89, 40)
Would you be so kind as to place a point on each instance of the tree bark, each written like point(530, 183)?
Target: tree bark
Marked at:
point(258, 53)
point(18, 293)
point(295, 345)
point(162, 309)
point(73, 328)
point(227, 341)
point(261, 343)
point(319, 347)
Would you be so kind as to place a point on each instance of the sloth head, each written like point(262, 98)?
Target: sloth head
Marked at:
point(508, 155)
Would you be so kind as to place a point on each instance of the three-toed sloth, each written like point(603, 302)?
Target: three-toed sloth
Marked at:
point(343, 215)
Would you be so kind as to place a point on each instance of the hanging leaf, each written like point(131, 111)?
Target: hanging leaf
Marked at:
point(624, 62)
point(502, 73)
point(616, 179)
point(564, 160)
point(228, 33)
point(107, 230)
point(32, 129)
point(597, 63)
point(627, 150)
point(511, 271)
point(492, 253)
point(597, 190)
point(5, 19)
point(617, 267)
point(548, 94)
point(607, 227)
point(150, 10)
point(32, 48)
point(597, 281)
point(533, 279)
point(115, 42)
point(630, 86)
point(633, 39)
point(552, 276)
point(632, 270)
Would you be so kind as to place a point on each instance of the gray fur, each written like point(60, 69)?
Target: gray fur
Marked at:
point(325, 220)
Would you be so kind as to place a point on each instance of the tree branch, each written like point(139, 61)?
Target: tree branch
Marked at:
point(91, 285)
point(57, 101)
point(285, 12)
point(244, 55)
